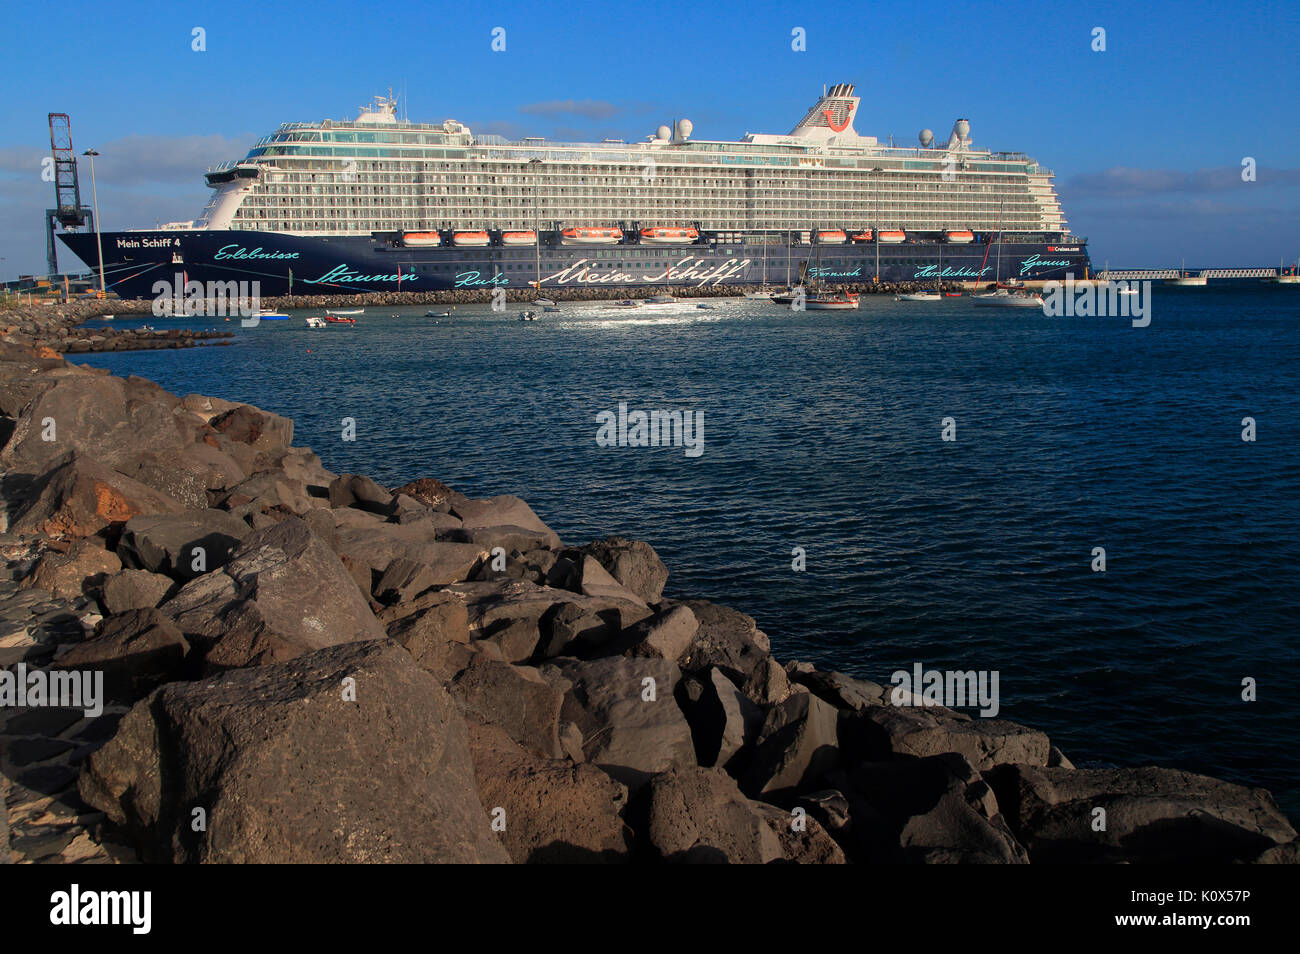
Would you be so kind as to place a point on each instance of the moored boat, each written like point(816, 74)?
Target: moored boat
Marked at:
point(475, 238)
point(831, 237)
point(959, 236)
point(315, 321)
point(866, 235)
point(339, 320)
point(919, 296)
point(891, 237)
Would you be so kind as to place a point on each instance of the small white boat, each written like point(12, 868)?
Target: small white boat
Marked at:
point(919, 296)
point(437, 314)
point(1186, 279)
point(551, 308)
point(528, 316)
point(831, 303)
point(339, 311)
point(661, 300)
point(1009, 300)
point(315, 321)
point(543, 302)
point(471, 237)
point(763, 294)
point(706, 306)
point(627, 303)
point(107, 317)
point(525, 237)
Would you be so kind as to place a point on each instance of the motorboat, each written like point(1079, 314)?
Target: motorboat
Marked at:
point(315, 321)
point(919, 296)
point(528, 316)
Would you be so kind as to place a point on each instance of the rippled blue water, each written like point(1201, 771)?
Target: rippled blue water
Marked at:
point(822, 431)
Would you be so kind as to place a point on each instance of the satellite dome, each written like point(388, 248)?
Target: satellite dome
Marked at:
point(927, 137)
point(962, 128)
point(663, 132)
point(684, 127)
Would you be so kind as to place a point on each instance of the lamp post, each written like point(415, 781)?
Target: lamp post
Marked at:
point(94, 194)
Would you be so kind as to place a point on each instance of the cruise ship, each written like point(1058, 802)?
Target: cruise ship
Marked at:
point(378, 203)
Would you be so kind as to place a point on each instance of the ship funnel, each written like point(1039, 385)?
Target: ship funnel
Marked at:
point(832, 115)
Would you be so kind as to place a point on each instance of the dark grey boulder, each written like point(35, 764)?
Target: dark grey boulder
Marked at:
point(282, 593)
point(1152, 815)
point(78, 572)
point(434, 629)
point(841, 691)
point(352, 490)
point(933, 810)
point(633, 563)
point(554, 811)
point(724, 722)
point(288, 769)
point(516, 699)
point(181, 545)
point(796, 747)
point(630, 721)
point(803, 840)
point(80, 496)
point(377, 545)
point(665, 635)
point(731, 641)
point(698, 816)
point(884, 731)
point(137, 651)
point(133, 589)
point(503, 511)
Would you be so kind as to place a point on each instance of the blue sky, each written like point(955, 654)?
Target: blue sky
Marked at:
point(1146, 139)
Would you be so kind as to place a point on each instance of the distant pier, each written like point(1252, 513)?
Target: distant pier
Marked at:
point(1158, 274)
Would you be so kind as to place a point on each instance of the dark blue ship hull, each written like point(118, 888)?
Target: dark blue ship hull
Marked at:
point(136, 264)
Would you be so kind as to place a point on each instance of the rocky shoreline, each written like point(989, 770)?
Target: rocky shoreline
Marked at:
point(302, 666)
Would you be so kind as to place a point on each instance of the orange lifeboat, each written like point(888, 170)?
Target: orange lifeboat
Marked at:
point(479, 237)
point(591, 236)
point(891, 237)
point(421, 239)
point(831, 237)
point(527, 237)
point(864, 236)
point(959, 236)
point(670, 236)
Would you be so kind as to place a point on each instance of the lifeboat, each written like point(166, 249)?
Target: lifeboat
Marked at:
point(864, 236)
point(591, 236)
point(421, 239)
point(891, 237)
point(470, 238)
point(959, 236)
point(669, 236)
point(528, 237)
point(831, 237)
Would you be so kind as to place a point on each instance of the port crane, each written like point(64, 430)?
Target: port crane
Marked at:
point(68, 210)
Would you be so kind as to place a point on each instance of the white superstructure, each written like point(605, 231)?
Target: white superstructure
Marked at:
point(380, 173)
